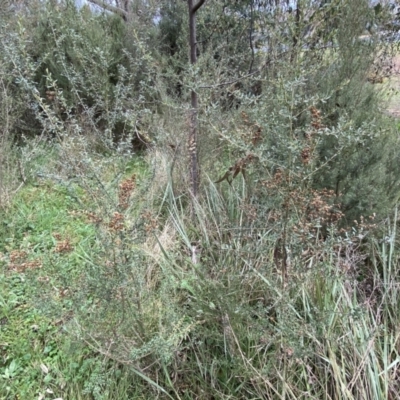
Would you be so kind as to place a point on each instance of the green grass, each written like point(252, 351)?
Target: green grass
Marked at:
point(39, 359)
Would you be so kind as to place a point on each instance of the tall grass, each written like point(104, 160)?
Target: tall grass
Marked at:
point(329, 332)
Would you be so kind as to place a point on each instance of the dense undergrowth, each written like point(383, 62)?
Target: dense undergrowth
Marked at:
point(279, 281)
point(126, 301)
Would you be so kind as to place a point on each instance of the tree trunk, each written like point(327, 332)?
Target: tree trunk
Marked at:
point(193, 159)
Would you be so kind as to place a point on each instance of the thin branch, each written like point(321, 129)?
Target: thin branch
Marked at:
point(233, 80)
point(251, 35)
point(258, 70)
point(197, 6)
point(110, 8)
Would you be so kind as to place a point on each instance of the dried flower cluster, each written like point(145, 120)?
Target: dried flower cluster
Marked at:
point(322, 207)
point(309, 206)
point(278, 178)
point(18, 262)
point(125, 190)
point(150, 222)
point(306, 155)
point(63, 246)
point(22, 267)
point(316, 119)
point(56, 235)
point(250, 211)
point(17, 256)
point(93, 218)
point(117, 222)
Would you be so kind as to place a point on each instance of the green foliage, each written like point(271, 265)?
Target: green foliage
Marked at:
point(78, 50)
point(349, 150)
point(70, 68)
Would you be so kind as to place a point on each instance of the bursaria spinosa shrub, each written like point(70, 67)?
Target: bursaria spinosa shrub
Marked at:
point(318, 123)
point(74, 71)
